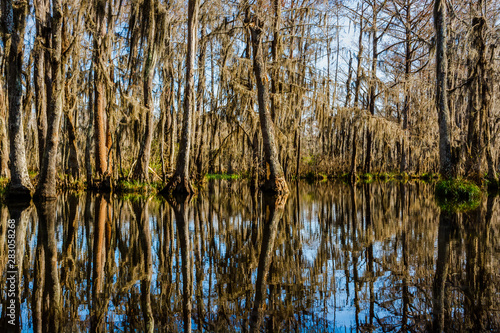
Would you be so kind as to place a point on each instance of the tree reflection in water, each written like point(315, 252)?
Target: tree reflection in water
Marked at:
point(378, 257)
point(273, 211)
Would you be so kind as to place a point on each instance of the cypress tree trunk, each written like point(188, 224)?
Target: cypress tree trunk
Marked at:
point(141, 171)
point(445, 161)
point(360, 56)
point(180, 182)
point(14, 22)
point(73, 164)
point(276, 180)
point(372, 90)
point(479, 105)
point(40, 75)
point(46, 188)
point(4, 144)
point(201, 121)
point(101, 164)
point(406, 105)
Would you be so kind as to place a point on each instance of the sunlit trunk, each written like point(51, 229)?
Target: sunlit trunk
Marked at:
point(180, 182)
point(14, 23)
point(46, 188)
point(440, 21)
point(275, 181)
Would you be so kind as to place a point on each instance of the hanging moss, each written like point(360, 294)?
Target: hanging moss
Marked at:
point(457, 195)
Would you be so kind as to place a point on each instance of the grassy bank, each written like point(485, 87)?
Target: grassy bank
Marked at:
point(457, 195)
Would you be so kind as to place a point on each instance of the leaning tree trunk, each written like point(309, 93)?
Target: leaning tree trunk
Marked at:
point(46, 188)
point(275, 181)
point(180, 182)
point(14, 22)
point(445, 161)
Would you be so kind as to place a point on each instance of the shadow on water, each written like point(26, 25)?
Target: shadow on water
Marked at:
point(329, 257)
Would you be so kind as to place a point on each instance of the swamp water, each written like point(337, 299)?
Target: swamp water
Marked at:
point(328, 258)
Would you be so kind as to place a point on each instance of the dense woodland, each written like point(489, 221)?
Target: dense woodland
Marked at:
point(154, 90)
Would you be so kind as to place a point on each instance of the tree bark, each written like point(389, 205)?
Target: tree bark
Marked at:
point(101, 164)
point(40, 75)
point(479, 105)
point(14, 21)
point(180, 182)
point(73, 164)
point(46, 188)
point(141, 171)
point(359, 68)
point(4, 144)
point(276, 181)
point(372, 88)
point(446, 166)
point(406, 106)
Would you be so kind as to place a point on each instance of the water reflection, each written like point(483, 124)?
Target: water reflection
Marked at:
point(273, 211)
point(330, 257)
point(180, 207)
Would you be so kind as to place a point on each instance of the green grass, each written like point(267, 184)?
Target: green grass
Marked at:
point(457, 195)
point(312, 177)
point(224, 176)
point(366, 178)
point(428, 177)
point(4, 183)
point(384, 176)
point(133, 186)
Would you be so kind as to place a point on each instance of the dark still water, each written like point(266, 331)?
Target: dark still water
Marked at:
point(328, 258)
